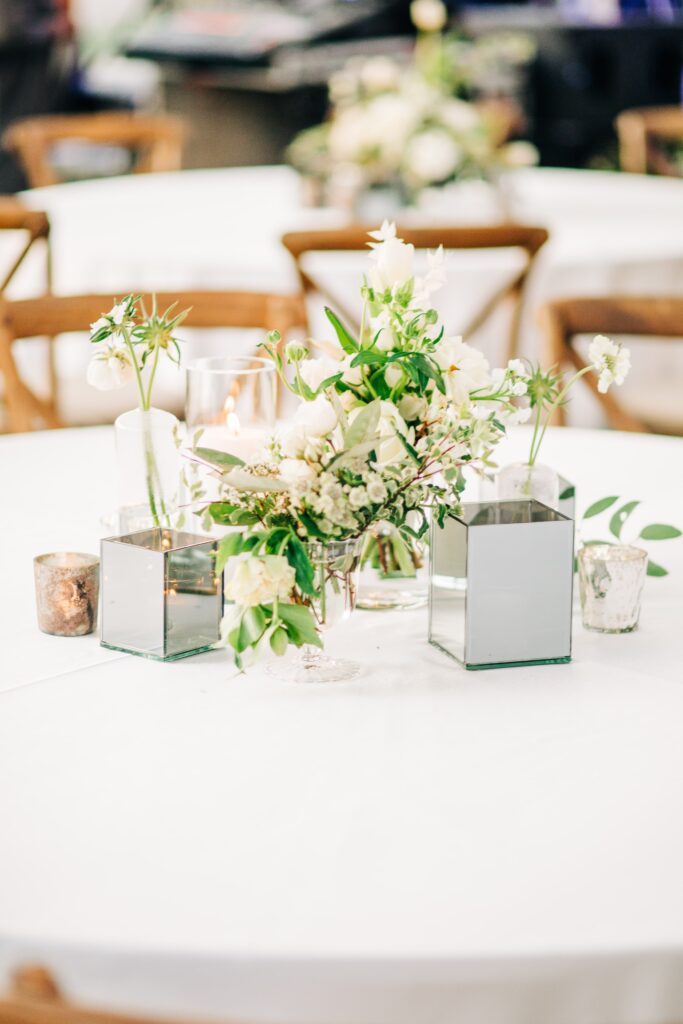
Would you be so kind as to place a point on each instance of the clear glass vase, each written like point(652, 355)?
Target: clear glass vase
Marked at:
point(394, 572)
point(611, 579)
point(336, 567)
point(148, 469)
point(520, 481)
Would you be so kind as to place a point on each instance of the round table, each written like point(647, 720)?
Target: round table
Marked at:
point(421, 844)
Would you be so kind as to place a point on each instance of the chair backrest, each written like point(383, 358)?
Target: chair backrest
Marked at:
point(14, 216)
point(641, 132)
point(55, 315)
point(155, 140)
point(643, 317)
point(35, 998)
point(504, 236)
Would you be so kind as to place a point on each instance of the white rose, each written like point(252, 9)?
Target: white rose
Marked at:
point(433, 156)
point(260, 581)
point(428, 15)
point(317, 418)
point(107, 372)
point(379, 74)
point(393, 375)
point(390, 449)
point(412, 407)
point(292, 441)
point(315, 371)
point(394, 264)
point(296, 471)
point(466, 368)
point(352, 374)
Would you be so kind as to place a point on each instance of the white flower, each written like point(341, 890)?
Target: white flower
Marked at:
point(352, 374)
point(394, 260)
point(390, 449)
point(110, 370)
point(117, 314)
point(519, 415)
point(358, 497)
point(434, 279)
point(296, 471)
point(518, 154)
point(428, 15)
point(317, 418)
point(379, 74)
point(98, 325)
point(393, 375)
point(377, 492)
point(461, 117)
point(610, 361)
point(433, 156)
point(315, 371)
point(260, 581)
point(292, 441)
point(412, 407)
point(517, 367)
point(465, 367)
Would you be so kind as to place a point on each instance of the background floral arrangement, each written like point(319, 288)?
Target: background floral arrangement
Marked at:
point(381, 434)
point(422, 124)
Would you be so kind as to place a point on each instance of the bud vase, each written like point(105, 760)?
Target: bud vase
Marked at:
point(336, 567)
point(521, 481)
point(394, 572)
point(148, 468)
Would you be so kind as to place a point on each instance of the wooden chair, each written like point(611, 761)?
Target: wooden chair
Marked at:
point(35, 998)
point(55, 315)
point(506, 236)
point(643, 317)
point(641, 133)
point(14, 216)
point(156, 141)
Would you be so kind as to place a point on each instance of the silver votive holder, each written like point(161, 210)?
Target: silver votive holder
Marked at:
point(501, 578)
point(611, 579)
point(161, 596)
point(67, 590)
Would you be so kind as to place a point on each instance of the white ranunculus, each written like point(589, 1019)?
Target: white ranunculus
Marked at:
point(317, 418)
point(610, 361)
point(292, 441)
point(379, 74)
point(109, 371)
point(260, 581)
point(352, 374)
point(518, 154)
point(460, 116)
point(296, 471)
point(394, 264)
point(433, 156)
point(390, 449)
point(315, 371)
point(428, 15)
point(393, 375)
point(412, 407)
point(466, 368)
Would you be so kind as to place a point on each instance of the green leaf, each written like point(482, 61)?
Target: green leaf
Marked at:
point(227, 548)
point(346, 341)
point(369, 357)
point(599, 506)
point(327, 383)
point(300, 624)
point(218, 458)
point(656, 570)
point(568, 492)
point(221, 512)
point(253, 624)
point(279, 642)
point(297, 556)
point(659, 531)
point(409, 448)
point(364, 425)
point(617, 521)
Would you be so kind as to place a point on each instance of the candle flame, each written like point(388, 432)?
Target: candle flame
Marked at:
point(232, 420)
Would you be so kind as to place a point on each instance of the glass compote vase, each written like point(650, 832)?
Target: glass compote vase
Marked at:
point(148, 469)
point(336, 566)
point(520, 481)
point(394, 571)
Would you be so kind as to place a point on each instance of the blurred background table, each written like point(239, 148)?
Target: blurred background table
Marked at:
point(420, 844)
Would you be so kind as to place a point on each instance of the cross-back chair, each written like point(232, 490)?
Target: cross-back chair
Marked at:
point(35, 998)
point(643, 133)
point(154, 140)
point(55, 315)
point(504, 236)
point(15, 216)
point(653, 317)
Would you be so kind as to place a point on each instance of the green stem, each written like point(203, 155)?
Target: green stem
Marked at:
point(551, 409)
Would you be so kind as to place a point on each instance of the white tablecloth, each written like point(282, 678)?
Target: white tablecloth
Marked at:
point(421, 844)
point(221, 228)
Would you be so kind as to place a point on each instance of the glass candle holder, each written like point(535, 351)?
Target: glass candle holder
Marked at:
point(233, 401)
point(611, 578)
point(67, 591)
point(520, 481)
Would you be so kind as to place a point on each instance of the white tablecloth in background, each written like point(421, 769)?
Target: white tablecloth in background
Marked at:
point(221, 229)
point(421, 844)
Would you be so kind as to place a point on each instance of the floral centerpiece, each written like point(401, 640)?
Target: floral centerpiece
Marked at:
point(382, 434)
point(417, 125)
point(130, 343)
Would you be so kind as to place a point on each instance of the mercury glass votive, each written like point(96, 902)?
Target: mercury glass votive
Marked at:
point(161, 596)
point(67, 590)
point(611, 578)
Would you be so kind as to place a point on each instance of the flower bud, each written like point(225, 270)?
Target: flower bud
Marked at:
point(295, 352)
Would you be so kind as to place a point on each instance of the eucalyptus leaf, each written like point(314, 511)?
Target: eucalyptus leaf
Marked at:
point(659, 531)
point(617, 521)
point(216, 458)
point(364, 425)
point(599, 506)
point(656, 570)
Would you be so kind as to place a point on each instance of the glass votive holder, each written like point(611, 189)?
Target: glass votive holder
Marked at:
point(233, 401)
point(67, 592)
point(611, 578)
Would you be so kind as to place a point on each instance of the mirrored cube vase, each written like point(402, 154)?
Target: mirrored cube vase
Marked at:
point(501, 578)
point(161, 597)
